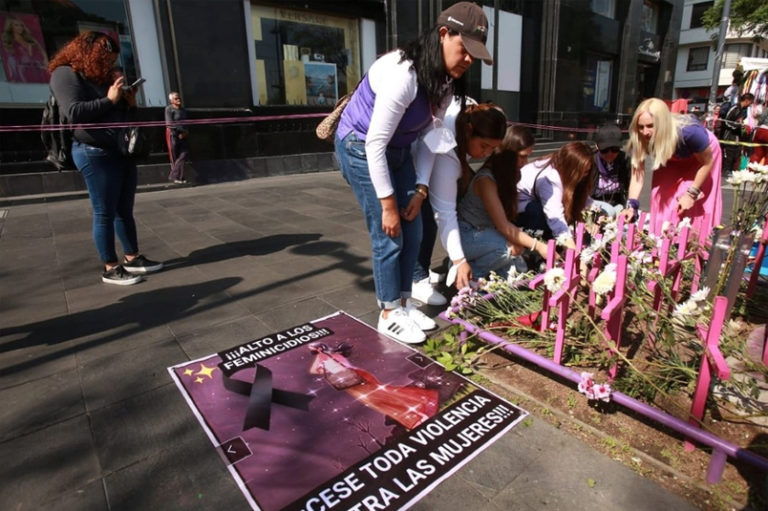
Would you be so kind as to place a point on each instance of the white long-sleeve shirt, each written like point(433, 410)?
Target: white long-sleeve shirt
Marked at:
point(548, 190)
point(396, 86)
point(440, 168)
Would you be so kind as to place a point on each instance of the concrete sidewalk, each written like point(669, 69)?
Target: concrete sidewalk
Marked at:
point(90, 418)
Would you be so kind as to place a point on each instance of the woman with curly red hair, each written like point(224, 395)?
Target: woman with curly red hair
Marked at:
point(83, 84)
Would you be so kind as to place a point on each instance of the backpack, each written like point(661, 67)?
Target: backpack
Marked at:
point(725, 106)
point(57, 143)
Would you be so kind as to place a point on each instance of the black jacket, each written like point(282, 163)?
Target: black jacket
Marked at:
point(82, 101)
point(622, 167)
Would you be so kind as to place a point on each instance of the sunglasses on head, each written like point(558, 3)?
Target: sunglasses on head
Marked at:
point(93, 37)
point(610, 150)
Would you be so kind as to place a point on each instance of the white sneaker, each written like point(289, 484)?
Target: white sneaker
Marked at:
point(422, 320)
point(436, 278)
point(400, 327)
point(423, 292)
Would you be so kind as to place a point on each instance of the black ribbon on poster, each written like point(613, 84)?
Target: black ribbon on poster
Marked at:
point(261, 396)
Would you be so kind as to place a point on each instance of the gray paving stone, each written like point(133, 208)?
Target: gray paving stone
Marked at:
point(189, 475)
point(296, 313)
point(141, 427)
point(120, 376)
point(205, 341)
point(39, 403)
point(20, 366)
point(90, 497)
point(46, 464)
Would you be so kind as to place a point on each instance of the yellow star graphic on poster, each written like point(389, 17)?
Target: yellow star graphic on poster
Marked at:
point(198, 380)
point(206, 371)
point(189, 372)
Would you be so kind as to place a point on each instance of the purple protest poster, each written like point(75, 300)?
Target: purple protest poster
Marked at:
point(330, 414)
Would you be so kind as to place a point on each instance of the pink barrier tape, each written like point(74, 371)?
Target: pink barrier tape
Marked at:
point(220, 120)
point(721, 448)
point(261, 118)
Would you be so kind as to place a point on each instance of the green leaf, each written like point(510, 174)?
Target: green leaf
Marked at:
point(591, 482)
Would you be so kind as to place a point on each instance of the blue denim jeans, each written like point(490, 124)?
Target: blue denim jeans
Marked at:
point(111, 180)
point(393, 258)
point(429, 235)
point(486, 251)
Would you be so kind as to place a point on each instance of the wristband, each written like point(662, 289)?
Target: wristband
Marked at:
point(634, 204)
point(421, 190)
point(693, 192)
point(535, 242)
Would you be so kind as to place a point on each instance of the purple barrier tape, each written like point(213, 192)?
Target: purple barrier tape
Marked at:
point(674, 423)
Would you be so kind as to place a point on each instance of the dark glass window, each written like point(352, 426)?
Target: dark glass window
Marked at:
point(697, 12)
point(698, 58)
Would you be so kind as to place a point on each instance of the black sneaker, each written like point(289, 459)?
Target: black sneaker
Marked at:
point(119, 276)
point(141, 264)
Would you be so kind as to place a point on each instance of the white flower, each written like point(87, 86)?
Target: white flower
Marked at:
point(665, 226)
point(749, 177)
point(554, 279)
point(700, 295)
point(605, 282)
point(687, 308)
point(587, 255)
point(514, 278)
point(641, 256)
point(756, 167)
point(563, 239)
point(685, 222)
point(741, 176)
point(734, 179)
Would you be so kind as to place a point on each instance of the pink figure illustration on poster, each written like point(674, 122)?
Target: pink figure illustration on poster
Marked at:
point(24, 57)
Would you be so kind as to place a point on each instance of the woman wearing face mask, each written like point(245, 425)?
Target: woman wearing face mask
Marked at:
point(612, 176)
point(83, 84)
point(394, 102)
point(686, 167)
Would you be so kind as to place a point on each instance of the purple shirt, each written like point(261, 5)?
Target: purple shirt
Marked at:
point(357, 116)
point(693, 139)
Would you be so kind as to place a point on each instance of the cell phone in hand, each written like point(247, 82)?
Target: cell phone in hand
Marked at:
point(134, 84)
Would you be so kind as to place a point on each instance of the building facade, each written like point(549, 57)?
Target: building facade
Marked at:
point(567, 63)
point(696, 55)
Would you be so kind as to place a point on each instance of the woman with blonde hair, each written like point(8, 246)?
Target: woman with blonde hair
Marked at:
point(686, 160)
point(26, 61)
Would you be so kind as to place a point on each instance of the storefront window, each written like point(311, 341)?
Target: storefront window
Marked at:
point(597, 85)
point(32, 32)
point(304, 58)
point(650, 17)
point(605, 8)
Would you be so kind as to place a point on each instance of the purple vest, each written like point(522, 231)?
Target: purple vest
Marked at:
point(357, 116)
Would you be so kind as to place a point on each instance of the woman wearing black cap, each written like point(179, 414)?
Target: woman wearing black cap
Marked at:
point(612, 171)
point(396, 100)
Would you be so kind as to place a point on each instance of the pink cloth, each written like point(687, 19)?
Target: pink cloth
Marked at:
point(673, 179)
point(760, 137)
